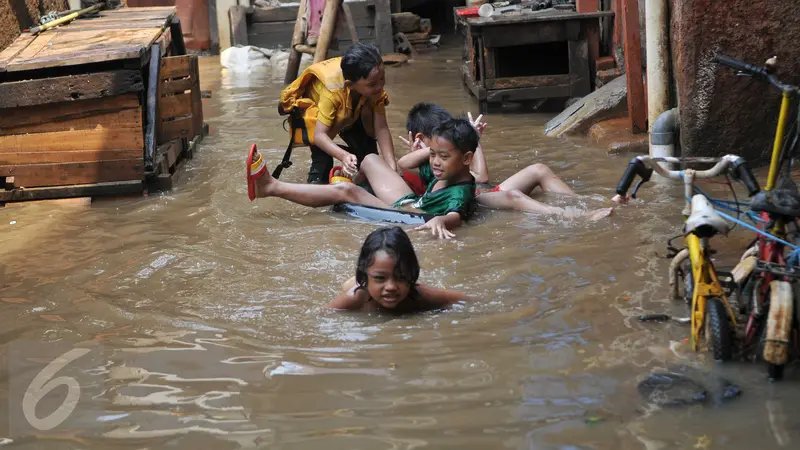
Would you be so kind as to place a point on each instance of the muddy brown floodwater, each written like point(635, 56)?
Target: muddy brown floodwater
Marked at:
point(196, 319)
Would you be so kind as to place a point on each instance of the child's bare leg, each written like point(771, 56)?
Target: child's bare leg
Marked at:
point(385, 182)
point(315, 195)
point(518, 200)
point(534, 175)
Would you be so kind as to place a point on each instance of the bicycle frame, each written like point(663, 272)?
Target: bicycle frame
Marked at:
point(706, 282)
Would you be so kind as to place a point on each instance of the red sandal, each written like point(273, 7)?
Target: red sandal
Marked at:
point(255, 170)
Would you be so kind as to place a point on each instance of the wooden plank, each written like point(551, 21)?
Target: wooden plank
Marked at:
point(637, 108)
point(157, 24)
point(593, 41)
point(131, 10)
point(490, 65)
point(69, 88)
point(34, 115)
point(383, 26)
point(522, 34)
point(167, 155)
point(175, 105)
point(238, 18)
point(84, 190)
point(531, 81)
point(100, 139)
point(174, 129)
point(16, 47)
point(197, 111)
point(127, 118)
point(177, 86)
point(25, 158)
point(529, 93)
point(481, 64)
point(278, 34)
point(579, 68)
point(274, 14)
point(543, 16)
point(153, 99)
point(83, 47)
point(176, 67)
point(37, 175)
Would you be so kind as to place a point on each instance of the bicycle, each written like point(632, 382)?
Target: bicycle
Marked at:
point(767, 298)
point(710, 313)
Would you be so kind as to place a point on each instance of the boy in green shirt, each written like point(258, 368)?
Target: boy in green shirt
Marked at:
point(449, 195)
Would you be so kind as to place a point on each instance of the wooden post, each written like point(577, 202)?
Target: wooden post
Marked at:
point(383, 26)
point(327, 29)
point(637, 109)
point(238, 18)
point(618, 39)
point(178, 44)
point(592, 30)
point(153, 84)
point(293, 65)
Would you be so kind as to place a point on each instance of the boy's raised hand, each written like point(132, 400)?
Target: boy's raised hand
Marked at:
point(413, 144)
point(477, 123)
point(437, 227)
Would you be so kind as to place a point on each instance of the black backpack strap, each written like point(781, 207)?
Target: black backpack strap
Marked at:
point(295, 121)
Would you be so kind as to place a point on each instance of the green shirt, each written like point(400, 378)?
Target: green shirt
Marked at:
point(458, 197)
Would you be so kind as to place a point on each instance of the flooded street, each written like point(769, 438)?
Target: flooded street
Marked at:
point(204, 317)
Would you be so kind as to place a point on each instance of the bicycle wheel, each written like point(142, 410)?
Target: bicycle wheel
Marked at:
point(719, 335)
point(774, 371)
point(688, 284)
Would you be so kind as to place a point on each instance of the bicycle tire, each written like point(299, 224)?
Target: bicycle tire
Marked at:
point(719, 335)
point(688, 284)
point(774, 371)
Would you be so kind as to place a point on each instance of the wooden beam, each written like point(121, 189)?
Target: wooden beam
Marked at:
point(85, 190)
point(383, 26)
point(69, 88)
point(176, 67)
point(238, 17)
point(176, 37)
point(125, 118)
point(24, 158)
point(153, 118)
point(37, 175)
point(530, 81)
point(34, 115)
point(293, 65)
point(273, 14)
point(637, 108)
point(65, 141)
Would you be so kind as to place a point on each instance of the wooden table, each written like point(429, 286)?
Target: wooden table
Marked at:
point(528, 56)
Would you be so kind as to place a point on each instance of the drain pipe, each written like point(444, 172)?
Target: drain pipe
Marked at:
point(664, 135)
point(656, 19)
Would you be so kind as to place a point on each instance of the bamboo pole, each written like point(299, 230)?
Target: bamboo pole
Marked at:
point(67, 18)
point(293, 65)
point(327, 29)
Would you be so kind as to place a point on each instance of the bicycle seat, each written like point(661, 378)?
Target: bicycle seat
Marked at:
point(781, 202)
point(704, 221)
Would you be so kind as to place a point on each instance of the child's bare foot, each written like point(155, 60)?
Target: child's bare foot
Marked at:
point(595, 215)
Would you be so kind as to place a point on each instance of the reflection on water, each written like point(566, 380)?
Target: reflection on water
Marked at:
point(205, 312)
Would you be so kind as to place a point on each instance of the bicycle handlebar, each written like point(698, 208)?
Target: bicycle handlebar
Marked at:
point(645, 165)
point(754, 70)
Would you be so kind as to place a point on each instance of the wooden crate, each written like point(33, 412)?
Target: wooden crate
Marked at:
point(59, 131)
point(75, 118)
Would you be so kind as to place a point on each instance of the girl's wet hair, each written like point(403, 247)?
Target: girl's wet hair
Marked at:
point(395, 242)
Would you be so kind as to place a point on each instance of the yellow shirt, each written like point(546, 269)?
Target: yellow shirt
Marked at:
point(334, 101)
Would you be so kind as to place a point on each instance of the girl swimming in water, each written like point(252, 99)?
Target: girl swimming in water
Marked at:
point(386, 278)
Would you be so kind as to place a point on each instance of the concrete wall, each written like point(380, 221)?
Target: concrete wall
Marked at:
point(720, 112)
point(17, 15)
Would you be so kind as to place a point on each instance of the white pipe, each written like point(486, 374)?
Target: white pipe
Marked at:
point(656, 21)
